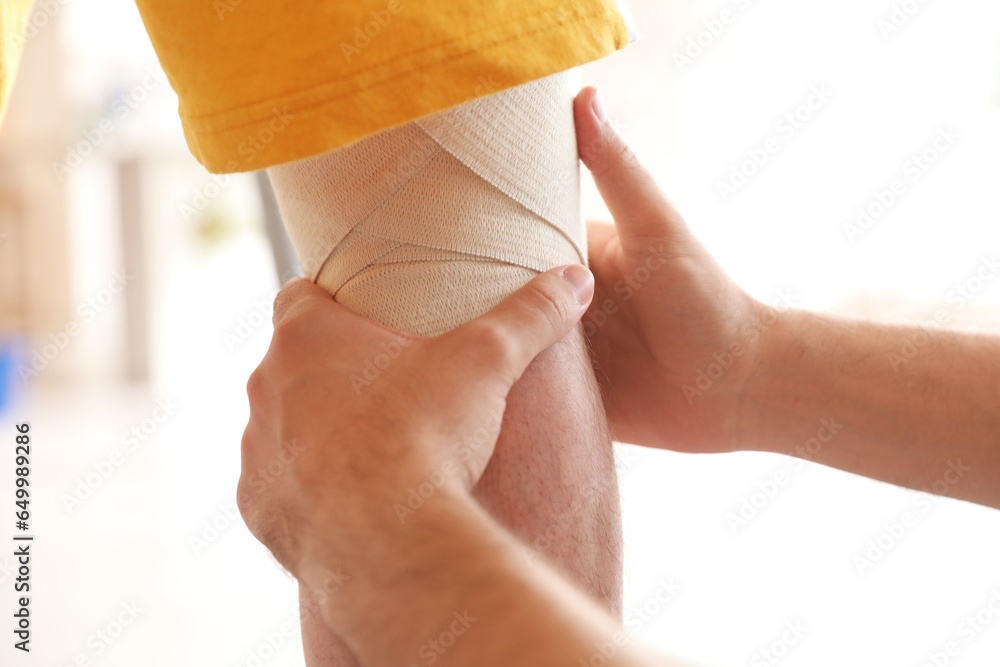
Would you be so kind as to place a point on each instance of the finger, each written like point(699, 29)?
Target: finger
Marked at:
point(296, 291)
point(599, 234)
point(504, 341)
point(604, 255)
point(641, 211)
point(602, 240)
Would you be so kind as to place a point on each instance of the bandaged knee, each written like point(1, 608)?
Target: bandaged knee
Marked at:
point(428, 225)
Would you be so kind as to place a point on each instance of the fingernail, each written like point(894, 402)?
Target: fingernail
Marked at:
point(597, 103)
point(581, 280)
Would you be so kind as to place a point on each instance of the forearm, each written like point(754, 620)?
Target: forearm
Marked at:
point(451, 583)
point(852, 395)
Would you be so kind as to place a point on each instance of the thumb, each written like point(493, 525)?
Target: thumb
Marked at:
point(642, 213)
point(507, 338)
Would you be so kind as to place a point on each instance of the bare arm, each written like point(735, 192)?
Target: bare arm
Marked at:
point(464, 594)
point(924, 415)
point(691, 362)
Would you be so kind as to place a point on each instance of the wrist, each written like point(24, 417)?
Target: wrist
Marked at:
point(776, 338)
point(403, 582)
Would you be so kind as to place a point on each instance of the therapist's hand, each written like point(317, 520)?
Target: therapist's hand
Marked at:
point(674, 338)
point(347, 417)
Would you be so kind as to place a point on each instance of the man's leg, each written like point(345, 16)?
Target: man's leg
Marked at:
point(552, 480)
point(426, 226)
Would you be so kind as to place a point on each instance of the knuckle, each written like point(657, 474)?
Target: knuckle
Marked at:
point(592, 151)
point(255, 386)
point(492, 342)
point(244, 500)
point(246, 445)
point(290, 336)
point(545, 299)
point(279, 307)
point(607, 152)
point(625, 155)
point(619, 153)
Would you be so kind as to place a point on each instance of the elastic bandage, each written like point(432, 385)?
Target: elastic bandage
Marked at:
point(428, 225)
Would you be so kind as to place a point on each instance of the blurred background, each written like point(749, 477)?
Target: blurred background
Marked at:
point(135, 295)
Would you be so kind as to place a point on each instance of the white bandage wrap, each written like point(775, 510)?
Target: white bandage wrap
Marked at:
point(426, 226)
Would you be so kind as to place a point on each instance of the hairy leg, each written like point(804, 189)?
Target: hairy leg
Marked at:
point(552, 481)
point(425, 226)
